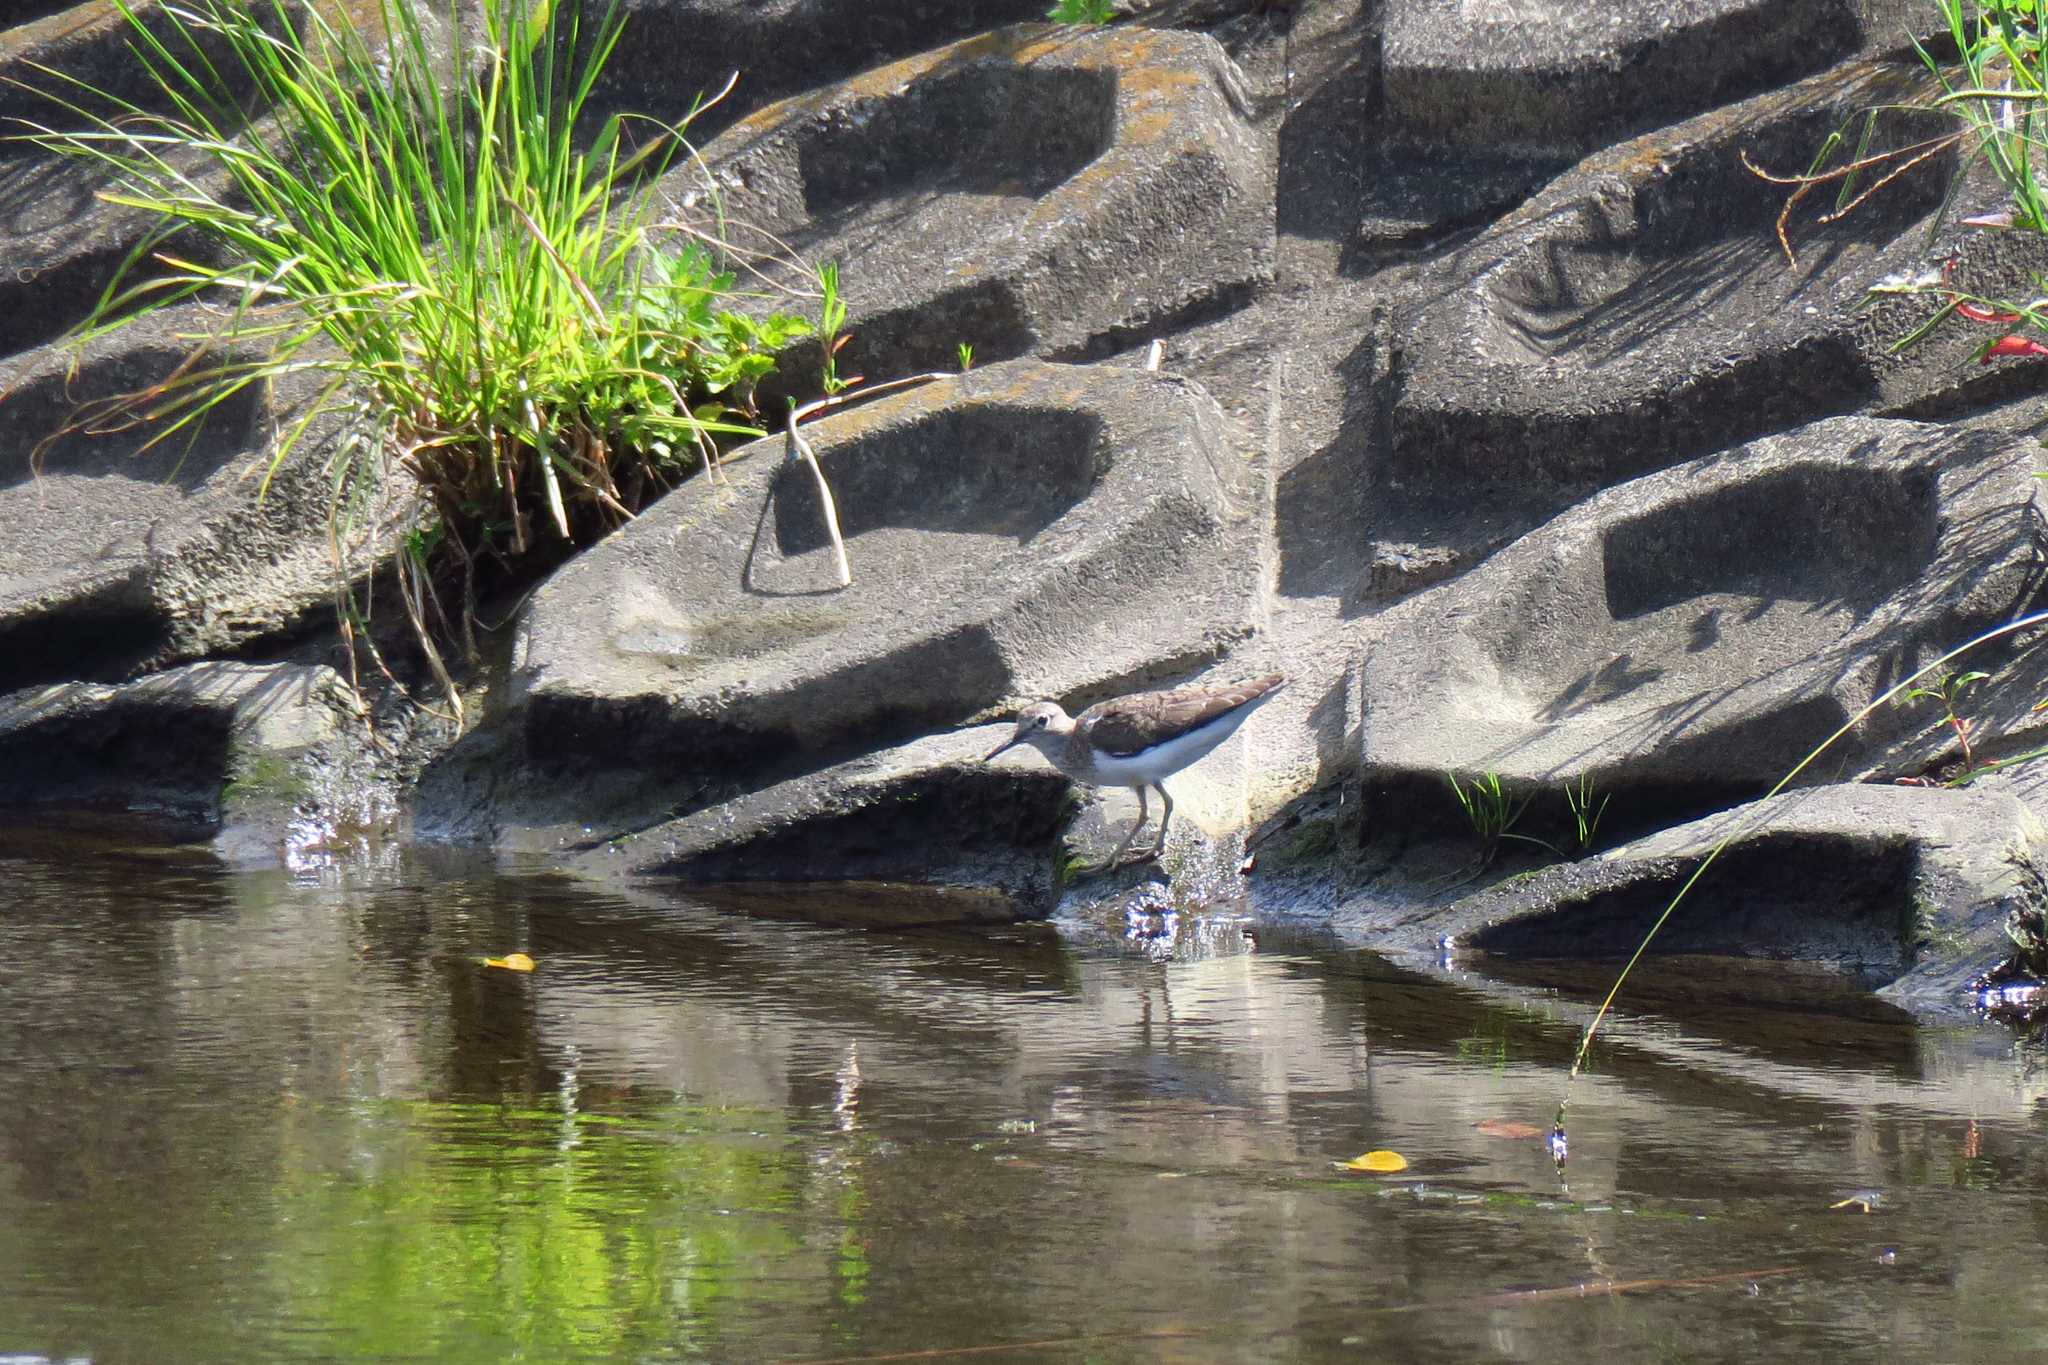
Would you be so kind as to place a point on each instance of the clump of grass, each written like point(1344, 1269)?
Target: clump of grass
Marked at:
point(1586, 804)
point(480, 293)
point(1994, 90)
point(1492, 811)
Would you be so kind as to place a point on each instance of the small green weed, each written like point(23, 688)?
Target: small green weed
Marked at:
point(1927, 929)
point(832, 328)
point(1088, 12)
point(1948, 688)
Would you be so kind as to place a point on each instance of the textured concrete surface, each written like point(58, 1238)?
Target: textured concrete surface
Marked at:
point(1558, 76)
point(1436, 282)
point(1901, 888)
point(1639, 310)
point(1024, 530)
point(1707, 625)
point(117, 554)
point(1141, 197)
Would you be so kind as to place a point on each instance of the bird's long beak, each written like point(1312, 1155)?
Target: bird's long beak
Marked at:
point(992, 753)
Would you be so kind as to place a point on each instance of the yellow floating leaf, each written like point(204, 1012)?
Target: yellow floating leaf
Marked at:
point(1379, 1161)
point(511, 962)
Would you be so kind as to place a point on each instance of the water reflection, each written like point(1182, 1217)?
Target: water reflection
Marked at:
point(290, 1116)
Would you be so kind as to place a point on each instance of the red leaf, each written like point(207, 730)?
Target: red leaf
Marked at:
point(2013, 345)
point(1977, 312)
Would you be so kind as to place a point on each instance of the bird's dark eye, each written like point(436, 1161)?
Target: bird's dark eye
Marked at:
point(1041, 721)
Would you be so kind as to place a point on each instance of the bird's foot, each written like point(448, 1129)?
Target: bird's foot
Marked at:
point(1120, 860)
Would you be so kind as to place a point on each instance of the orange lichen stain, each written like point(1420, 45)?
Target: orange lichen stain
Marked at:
point(1149, 126)
point(1026, 53)
point(57, 27)
point(1166, 76)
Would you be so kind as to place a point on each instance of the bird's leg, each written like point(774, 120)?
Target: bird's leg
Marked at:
point(1117, 856)
point(1159, 844)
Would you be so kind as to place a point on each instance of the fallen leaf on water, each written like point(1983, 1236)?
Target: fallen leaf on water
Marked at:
point(1379, 1161)
point(511, 962)
point(1507, 1128)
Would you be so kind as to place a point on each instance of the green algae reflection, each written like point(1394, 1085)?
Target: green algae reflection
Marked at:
point(455, 1231)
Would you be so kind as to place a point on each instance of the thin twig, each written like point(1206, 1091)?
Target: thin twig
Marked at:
point(799, 448)
point(411, 581)
point(1593, 1289)
point(1805, 184)
point(1048, 1344)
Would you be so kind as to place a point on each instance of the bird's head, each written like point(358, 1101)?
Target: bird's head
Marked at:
point(1037, 724)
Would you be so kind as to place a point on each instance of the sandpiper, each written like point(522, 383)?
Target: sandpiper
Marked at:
point(1139, 741)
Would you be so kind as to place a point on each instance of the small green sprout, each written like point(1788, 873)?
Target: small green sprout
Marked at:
point(1948, 689)
point(831, 319)
point(1093, 13)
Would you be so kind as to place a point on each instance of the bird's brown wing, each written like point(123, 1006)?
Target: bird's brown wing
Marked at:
point(1130, 724)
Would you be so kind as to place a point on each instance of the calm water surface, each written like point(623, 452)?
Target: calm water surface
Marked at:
point(282, 1116)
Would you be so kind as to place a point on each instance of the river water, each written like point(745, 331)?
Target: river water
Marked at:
point(289, 1115)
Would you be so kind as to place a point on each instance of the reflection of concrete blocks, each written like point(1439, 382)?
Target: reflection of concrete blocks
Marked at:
point(1031, 191)
point(1710, 624)
point(1025, 530)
